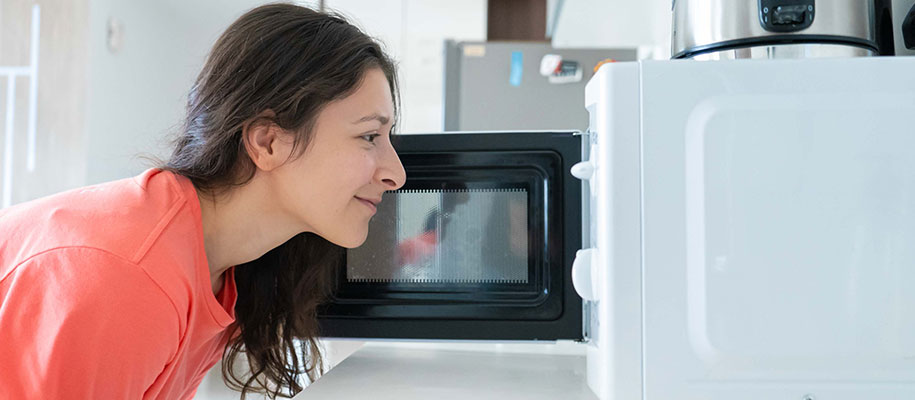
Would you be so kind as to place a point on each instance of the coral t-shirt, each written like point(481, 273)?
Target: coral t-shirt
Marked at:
point(105, 293)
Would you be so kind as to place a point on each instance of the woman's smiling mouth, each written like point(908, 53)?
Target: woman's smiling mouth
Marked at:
point(371, 204)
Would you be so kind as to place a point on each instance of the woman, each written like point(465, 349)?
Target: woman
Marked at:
point(135, 288)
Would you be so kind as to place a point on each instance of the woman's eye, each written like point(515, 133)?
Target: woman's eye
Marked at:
point(370, 137)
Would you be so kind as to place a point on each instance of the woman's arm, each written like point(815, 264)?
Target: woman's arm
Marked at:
point(81, 323)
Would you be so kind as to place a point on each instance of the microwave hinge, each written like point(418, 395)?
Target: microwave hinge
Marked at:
point(586, 321)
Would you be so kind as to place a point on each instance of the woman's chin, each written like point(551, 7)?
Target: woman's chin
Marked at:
point(350, 241)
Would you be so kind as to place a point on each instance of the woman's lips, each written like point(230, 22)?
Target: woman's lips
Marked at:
point(368, 204)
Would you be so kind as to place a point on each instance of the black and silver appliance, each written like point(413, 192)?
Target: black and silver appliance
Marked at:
point(906, 33)
point(478, 244)
point(727, 29)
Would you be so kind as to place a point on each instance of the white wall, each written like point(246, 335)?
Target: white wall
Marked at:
point(136, 95)
point(616, 23)
point(60, 144)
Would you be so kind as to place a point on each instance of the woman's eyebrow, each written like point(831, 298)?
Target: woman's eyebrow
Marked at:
point(381, 118)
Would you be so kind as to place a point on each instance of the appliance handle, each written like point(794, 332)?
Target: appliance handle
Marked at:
point(908, 29)
point(586, 274)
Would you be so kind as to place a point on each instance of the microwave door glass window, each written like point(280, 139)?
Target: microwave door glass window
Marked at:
point(466, 236)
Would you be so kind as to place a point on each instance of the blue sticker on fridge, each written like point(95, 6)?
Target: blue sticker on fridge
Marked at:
point(517, 69)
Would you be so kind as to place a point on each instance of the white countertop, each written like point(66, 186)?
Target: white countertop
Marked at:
point(403, 373)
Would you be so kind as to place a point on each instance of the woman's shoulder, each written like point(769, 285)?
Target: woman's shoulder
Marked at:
point(90, 296)
point(86, 270)
point(94, 283)
point(124, 218)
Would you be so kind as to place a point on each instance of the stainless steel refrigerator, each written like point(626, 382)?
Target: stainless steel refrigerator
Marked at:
point(498, 85)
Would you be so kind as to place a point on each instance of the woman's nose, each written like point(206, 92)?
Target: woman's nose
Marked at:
point(391, 173)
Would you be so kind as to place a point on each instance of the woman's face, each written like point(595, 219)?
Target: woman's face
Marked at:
point(334, 185)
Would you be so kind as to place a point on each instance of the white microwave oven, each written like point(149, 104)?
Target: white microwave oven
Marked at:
point(747, 232)
point(752, 229)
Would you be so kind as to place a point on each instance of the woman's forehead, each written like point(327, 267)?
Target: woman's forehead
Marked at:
point(370, 102)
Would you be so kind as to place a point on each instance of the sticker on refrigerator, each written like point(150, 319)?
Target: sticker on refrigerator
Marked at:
point(474, 50)
point(517, 68)
point(558, 70)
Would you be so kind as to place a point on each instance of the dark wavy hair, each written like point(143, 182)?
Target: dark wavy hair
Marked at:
point(292, 61)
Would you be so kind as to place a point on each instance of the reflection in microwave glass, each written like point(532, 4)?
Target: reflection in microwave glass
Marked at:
point(468, 236)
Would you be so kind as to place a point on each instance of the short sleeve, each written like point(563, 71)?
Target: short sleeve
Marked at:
point(81, 323)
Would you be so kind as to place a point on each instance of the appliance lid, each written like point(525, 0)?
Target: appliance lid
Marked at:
point(705, 26)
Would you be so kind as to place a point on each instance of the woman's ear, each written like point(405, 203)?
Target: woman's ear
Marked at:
point(268, 146)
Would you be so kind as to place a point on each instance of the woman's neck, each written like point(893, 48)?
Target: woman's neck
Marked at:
point(241, 226)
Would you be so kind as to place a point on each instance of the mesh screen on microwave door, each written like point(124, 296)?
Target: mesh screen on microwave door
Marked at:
point(467, 236)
